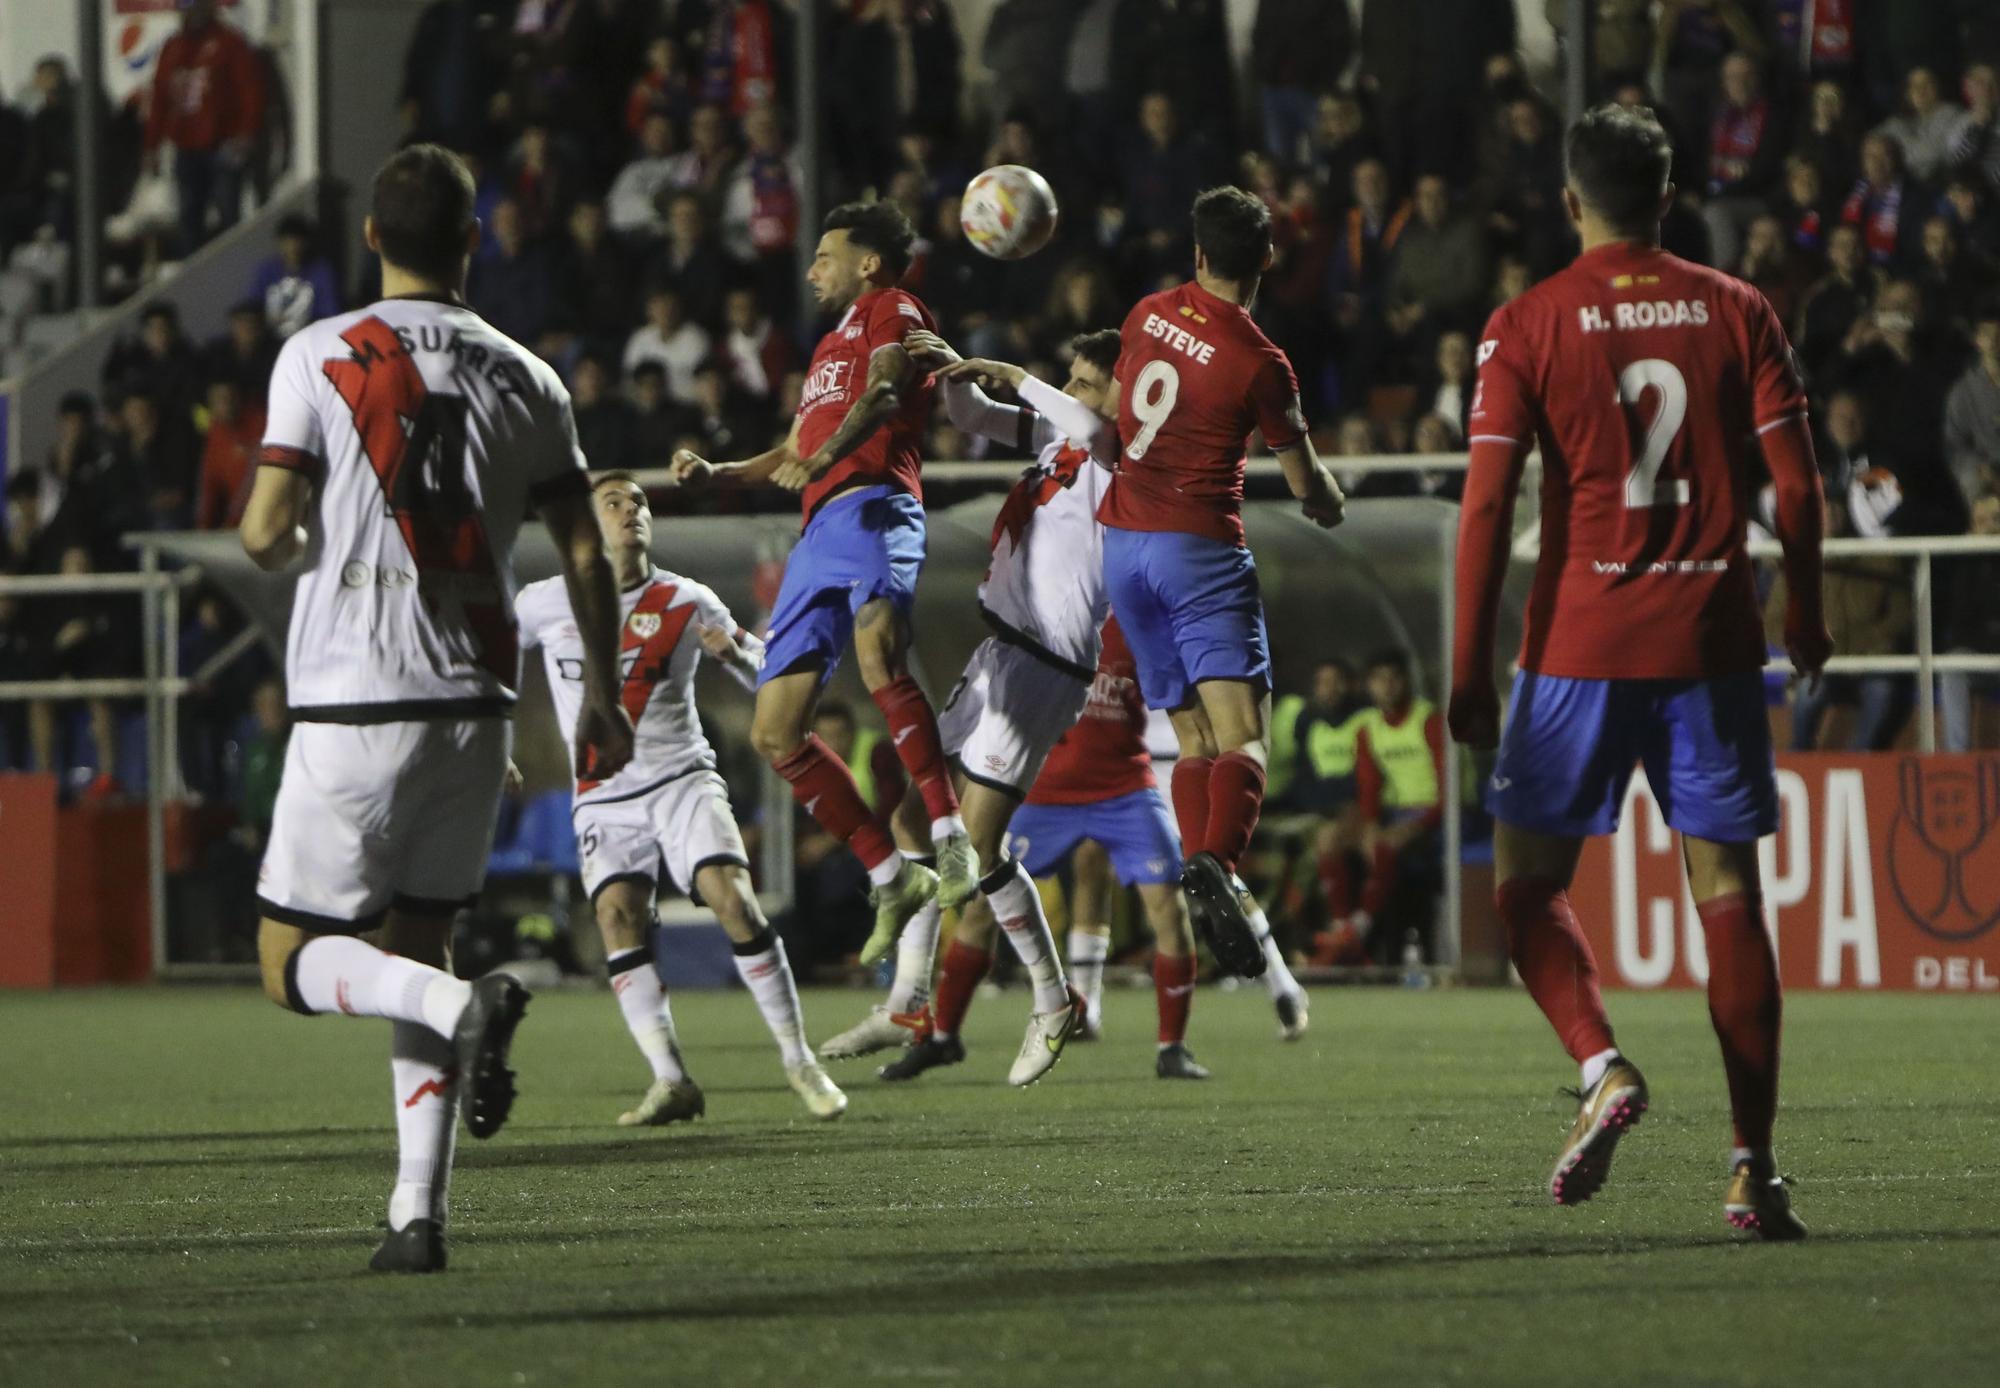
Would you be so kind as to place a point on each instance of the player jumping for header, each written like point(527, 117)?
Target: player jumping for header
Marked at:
point(668, 807)
point(853, 453)
point(1196, 376)
point(405, 442)
point(1043, 600)
point(1653, 386)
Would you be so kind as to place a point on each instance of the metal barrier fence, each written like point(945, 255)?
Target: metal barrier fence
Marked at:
point(162, 684)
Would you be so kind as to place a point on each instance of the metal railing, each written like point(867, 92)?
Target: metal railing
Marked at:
point(160, 686)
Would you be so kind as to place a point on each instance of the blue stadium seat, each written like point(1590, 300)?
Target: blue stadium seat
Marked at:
point(510, 856)
point(547, 833)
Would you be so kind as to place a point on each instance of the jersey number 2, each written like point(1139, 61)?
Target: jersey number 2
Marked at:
point(1153, 396)
point(1642, 483)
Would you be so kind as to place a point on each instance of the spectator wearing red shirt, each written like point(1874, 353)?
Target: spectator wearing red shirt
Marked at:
point(208, 103)
point(235, 432)
point(1745, 156)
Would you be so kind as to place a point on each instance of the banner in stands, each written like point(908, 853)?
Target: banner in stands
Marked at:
point(1884, 875)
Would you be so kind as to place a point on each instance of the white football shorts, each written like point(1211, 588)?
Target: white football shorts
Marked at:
point(1010, 708)
point(686, 824)
point(375, 815)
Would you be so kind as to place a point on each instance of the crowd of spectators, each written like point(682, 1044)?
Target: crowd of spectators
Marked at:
point(642, 192)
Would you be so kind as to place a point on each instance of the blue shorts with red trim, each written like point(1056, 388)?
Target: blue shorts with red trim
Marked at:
point(1135, 829)
point(1566, 757)
point(862, 544)
point(1190, 610)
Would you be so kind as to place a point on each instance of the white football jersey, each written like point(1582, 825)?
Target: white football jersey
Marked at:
point(1046, 578)
point(428, 434)
point(658, 653)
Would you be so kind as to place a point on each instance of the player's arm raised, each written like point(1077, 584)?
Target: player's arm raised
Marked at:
point(273, 529)
point(603, 728)
point(889, 371)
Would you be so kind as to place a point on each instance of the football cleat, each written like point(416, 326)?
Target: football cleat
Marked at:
point(1758, 1203)
point(880, 1030)
point(921, 1055)
point(822, 1096)
point(484, 1034)
point(1042, 1047)
point(1611, 1109)
point(667, 1101)
point(895, 902)
point(1292, 1015)
point(1219, 918)
point(1177, 1062)
point(416, 1247)
point(957, 871)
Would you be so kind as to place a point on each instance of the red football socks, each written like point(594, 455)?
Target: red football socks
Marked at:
point(1190, 792)
point(1381, 880)
point(958, 976)
point(1555, 963)
point(1173, 987)
point(914, 731)
point(1235, 795)
point(1746, 1006)
point(1336, 884)
point(822, 783)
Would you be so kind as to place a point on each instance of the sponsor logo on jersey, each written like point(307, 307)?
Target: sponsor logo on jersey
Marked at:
point(828, 381)
point(908, 310)
point(1487, 349)
point(1658, 566)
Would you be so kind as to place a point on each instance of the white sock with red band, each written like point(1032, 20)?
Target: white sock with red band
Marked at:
point(338, 973)
point(767, 973)
point(1018, 907)
point(426, 1088)
point(642, 999)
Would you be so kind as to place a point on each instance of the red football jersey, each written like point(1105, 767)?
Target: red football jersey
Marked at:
point(1103, 755)
point(1646, 380)
point(835, 380)
point(1196, 376)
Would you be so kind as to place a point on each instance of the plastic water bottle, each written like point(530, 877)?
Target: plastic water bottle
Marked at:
point(1414, 975)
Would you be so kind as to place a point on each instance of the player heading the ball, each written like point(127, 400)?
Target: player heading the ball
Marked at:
point(853, 454)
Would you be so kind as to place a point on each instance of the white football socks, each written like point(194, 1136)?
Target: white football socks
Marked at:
point(1089, 947)
point(765, 971)
point(1018, 907)
point(946, 827)
point(426, 1088)
point(916, 951)
point(1277, 974)
point(338, 973)
point(642, 999)
point(1595, 1066)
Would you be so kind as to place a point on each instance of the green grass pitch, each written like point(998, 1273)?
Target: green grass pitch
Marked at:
point(189, 1180)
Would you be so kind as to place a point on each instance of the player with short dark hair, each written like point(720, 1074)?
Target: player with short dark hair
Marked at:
point(405, 442)
point(668, 810)
point(853, 452)
point(1196, 375)
point(1657, 389)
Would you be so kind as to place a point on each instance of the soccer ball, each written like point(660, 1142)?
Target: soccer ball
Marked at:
point(1008, 212)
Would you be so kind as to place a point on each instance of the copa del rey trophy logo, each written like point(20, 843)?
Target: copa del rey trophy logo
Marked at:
point(1944, 848)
